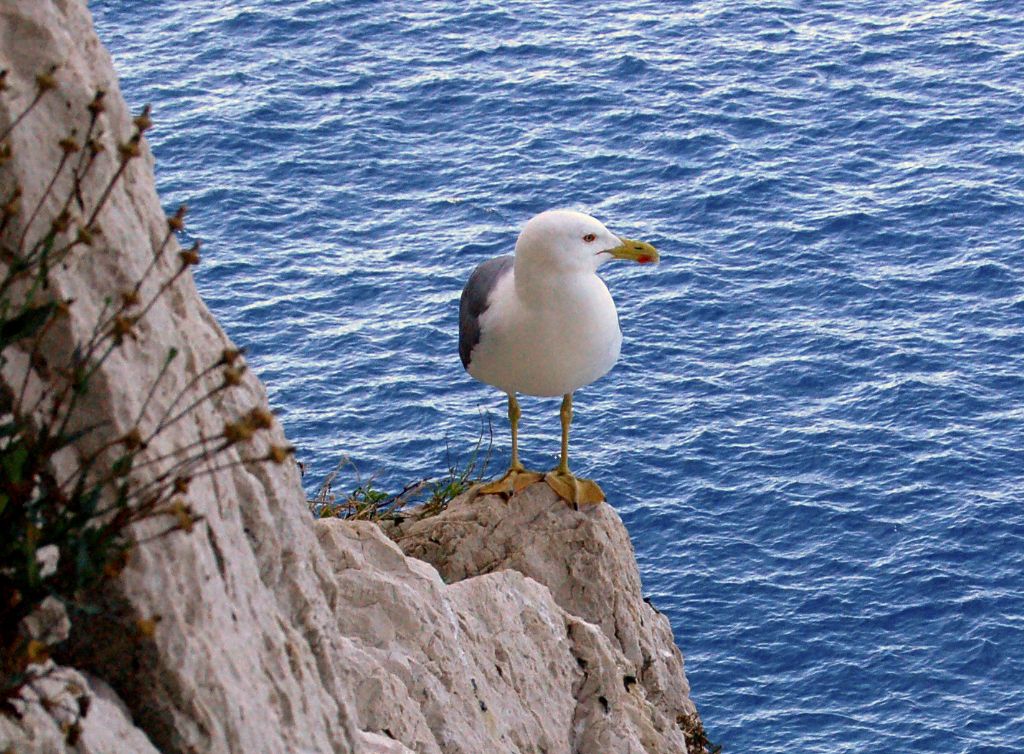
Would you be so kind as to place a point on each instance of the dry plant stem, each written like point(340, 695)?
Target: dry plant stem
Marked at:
point(18, 269)
point(179, 471)
point(86, 160)
point(86, 141)
point(3, 226)
point(42, 200)
point(396, 502)
point(182, 468)
point(55, 407)
point(58, 254)
point(104, 324)
point(171, 355)
point(70, 389)
point(7, 131)
point(85, 164)
point(202, 441)
point(153, 262)
point(99, 334)
point(324, 493)
point(104, 197)
point(90, 512)
point(33, 354)
point(40, 247)
point(408, 491)
point(94, 456)
point(97, 337)
point(165, 423)
point(182, 393)
point(165, 532)
point(107, 191)
point(75, 394)
point(32, 258)
point(163, 289)
point(122, 517)
point(78, 476)
point(162, 426)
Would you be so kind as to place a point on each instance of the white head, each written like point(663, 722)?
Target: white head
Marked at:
point(564, 240)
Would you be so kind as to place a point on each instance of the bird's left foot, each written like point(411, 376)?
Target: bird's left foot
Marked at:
point(574, 490)
point(516, 479)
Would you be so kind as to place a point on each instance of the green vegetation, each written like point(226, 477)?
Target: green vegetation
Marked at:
point(366, 501)
point(73, 489)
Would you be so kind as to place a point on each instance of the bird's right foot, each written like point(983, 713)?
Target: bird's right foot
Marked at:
point(515, 480)
point(574, 490)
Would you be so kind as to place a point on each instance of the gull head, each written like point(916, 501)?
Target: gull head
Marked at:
point(567, 241)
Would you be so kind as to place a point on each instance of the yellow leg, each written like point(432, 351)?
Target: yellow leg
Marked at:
point(565, 414)
point(513, 419)
point(517, 477)
point(561, 480)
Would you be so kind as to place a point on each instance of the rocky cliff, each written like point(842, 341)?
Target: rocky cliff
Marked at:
point(493, 627)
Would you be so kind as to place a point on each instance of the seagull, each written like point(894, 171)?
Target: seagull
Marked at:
point(541, 322)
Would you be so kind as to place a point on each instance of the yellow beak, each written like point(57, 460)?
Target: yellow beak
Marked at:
point(638, 251)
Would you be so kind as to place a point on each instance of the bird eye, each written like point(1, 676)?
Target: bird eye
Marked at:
point(590, 237)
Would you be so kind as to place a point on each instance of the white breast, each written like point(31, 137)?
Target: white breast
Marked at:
point(556, 340)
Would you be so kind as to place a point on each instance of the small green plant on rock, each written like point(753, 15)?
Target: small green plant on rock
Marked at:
point(366, 501)
point(460, 478)
point(72, 490)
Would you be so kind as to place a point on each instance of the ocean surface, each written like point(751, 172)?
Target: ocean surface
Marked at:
point(816, 431)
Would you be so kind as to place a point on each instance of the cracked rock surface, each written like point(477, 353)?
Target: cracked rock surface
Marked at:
point(586, 560)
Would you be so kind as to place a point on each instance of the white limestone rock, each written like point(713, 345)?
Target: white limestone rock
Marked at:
point(584, 557)
point(83, 715)
point(487, 664)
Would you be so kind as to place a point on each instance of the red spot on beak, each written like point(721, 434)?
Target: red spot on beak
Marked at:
point(644, 259)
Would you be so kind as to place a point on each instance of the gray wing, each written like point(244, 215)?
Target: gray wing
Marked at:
point(475, 300)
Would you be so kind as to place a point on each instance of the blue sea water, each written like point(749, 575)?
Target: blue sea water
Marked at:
point(816, 431)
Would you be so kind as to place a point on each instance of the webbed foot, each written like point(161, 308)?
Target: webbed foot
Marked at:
point(574, 490)
point(515, 480)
